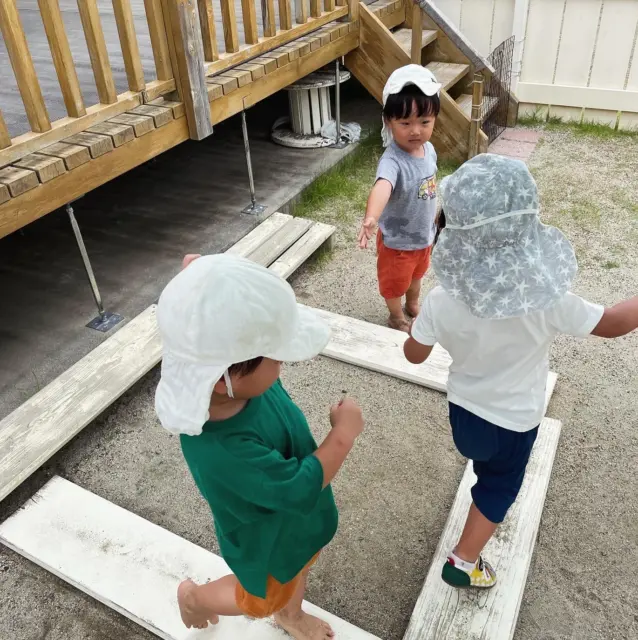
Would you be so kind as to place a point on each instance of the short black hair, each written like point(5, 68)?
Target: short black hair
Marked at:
point(245, 368)
point(400, 105)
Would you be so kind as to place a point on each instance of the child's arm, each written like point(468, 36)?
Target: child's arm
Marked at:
point(415, 352)
point(377, 201)
point(347, 424)
point(418, 347)
point(618, 320)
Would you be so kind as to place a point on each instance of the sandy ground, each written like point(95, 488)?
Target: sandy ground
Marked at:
point(396, 489)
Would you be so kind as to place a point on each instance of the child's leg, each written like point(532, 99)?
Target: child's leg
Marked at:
point(412, 298)
point(394, 280)
point(299, 624)
point(476, 534)
point(397, 319)
point(201, 604)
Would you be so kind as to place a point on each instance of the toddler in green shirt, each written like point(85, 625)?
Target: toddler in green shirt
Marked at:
point(226, 325)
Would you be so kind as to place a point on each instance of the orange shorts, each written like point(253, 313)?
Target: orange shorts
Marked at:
point(396, 269)
point(278, 595)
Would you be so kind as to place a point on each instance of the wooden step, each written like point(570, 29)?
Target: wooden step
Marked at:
point(404, 38)
point(130, 564)
point(465, 102)
point(448, 73)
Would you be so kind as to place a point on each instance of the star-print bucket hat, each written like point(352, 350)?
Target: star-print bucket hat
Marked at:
point(409, 74)
point(219, 311)
point(494, 254)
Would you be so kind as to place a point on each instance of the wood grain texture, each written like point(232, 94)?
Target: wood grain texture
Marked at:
point(416, 44)
point(260, 234)
point(129, 45)
point(4, 193)
point(280, 241)
point(141, 124)
point(159, 41)
point(268, 18)
point(5, 138)
point(62, 58)
point(72, 155)
point(96, 546)
point(18, 181)
point(229, 22)
point(318, 235)
point(249, 16)
point(161, 115)
point(285, 15)
point(301, 11)
point(97, 144)
point(46, 167)
point(120, 133)
point(176, 107)
point(22, 63)
point(189, 52)
point(47, 421)
point(96, 44)
point(20, 211)
point(227, 83)
point(31, 142)
point(209, 31)
point(445, 613)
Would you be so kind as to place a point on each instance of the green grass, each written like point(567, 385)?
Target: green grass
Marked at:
point(584, 127)
point(611, 264)
point(340, 195)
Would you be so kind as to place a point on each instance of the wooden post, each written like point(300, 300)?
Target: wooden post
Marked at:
point(268, 18)
point(5, 138)
point(417, 34)
point(159, 41)
point(22, 63)
point(301, 11)
point(475, 124)
point(90, 17)
point(128, 42)
point(186, 34)
point(250, 21)
point(353, 6)
point(285, 15)
point(209, 32)
point(315, 8)
point(229, 23)
point(62, 58)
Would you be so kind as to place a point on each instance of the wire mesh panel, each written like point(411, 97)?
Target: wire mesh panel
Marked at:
point(497, 90)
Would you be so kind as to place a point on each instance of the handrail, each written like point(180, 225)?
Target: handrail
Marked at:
point(464, 45)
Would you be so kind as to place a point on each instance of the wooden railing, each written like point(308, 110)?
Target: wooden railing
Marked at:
point(179, 55)
point(80, 116)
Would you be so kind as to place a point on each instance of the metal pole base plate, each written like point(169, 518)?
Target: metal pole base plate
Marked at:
point(105, 322)
point(254, 209)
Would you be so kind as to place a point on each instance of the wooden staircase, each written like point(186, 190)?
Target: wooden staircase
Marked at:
point(394, 38)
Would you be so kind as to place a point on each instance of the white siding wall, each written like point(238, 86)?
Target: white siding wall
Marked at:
point(575, 58)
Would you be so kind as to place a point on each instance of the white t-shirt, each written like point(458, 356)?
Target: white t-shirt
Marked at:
point(499, 367)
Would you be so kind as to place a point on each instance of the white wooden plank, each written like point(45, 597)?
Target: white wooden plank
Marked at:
point(578, 38)
point(32, 433)
point(130, 564)
point(588, 97)
point(381, 349)
point(451, 9)
point(476, 21)
point(260, 234)
point(280, 241)
point(502, 24)
point(615, 41)
point(292, 259)
point(445, 613)
point(628, 121)
point(632, 80)
point(541, 41)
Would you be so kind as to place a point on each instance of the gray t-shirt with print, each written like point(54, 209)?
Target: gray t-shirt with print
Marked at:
point(407, 222)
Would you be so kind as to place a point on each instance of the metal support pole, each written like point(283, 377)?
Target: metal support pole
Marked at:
point(339, 144)
point(253, 208)
point(105, 320)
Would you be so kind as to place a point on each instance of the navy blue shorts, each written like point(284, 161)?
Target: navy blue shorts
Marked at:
point(499, 457)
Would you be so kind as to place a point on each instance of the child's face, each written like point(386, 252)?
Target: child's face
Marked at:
point(257, 382)
point(413, 132)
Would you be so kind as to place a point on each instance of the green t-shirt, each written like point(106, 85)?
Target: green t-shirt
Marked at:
point(257, 472)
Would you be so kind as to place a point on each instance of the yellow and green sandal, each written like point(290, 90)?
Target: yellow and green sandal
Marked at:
point(482, 576)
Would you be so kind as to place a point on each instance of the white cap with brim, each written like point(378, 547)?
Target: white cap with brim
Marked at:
point(219, 311)
point(410, 74)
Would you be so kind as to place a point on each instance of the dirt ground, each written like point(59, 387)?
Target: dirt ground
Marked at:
point(396, 489)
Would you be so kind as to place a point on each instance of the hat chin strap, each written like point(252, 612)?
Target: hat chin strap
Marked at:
point(229, 384)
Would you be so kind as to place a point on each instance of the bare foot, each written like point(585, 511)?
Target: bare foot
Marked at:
point(399, 323)
point(304, 626)
point(192, 615)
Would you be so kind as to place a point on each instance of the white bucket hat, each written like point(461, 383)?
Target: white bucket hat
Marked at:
point(219, 311)
point(494, 254)
point(410, 74)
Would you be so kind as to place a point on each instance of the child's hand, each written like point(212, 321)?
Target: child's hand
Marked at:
point(188, 258)
point(347, 418)
point(367, 231)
